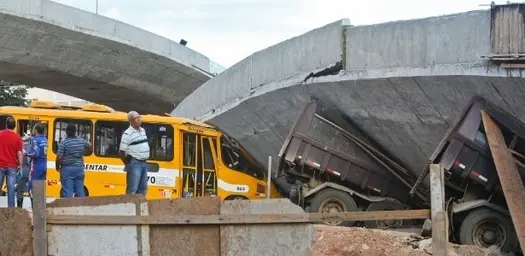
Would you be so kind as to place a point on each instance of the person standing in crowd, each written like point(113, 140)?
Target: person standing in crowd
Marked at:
point(38, 155)
point(134, 151)
point(70, 163)
point(11, 158)
point(23, 176)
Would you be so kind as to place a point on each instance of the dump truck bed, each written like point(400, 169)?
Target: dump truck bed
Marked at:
point(465, 153)
point(321, 142)
point(324, 143)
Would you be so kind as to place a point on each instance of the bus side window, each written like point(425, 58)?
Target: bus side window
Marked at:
point(2, 121)
point(107, 137)
point(25, 127)
point(84, 130)
point(160, 138)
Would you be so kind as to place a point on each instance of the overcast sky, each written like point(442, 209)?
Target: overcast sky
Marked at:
point(229, 30)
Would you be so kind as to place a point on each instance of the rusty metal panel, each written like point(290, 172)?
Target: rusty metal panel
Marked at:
point(510, 179)
point(508, 29)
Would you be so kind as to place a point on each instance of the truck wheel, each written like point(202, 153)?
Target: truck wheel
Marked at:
point(484, 227)
point(331, 200)
point(387, 205)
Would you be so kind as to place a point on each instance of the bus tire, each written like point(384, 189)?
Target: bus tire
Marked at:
point(485, 227)
point(331, 200)
point(236, 197)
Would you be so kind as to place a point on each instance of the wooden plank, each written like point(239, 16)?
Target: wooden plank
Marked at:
point(236, 219)
point(508, 174)
point(39, 218)
point(513, 65)
point(438, 212)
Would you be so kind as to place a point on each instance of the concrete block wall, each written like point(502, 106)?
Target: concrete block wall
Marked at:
point(275, 239)
point(184, 240)
point(65, 240)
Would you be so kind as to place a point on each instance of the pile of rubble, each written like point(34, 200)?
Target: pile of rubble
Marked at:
point(332, 241)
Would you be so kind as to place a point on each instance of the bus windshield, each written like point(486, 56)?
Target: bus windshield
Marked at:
point(235, 157)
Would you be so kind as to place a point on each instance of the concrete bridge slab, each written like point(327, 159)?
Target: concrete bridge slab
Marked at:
point(402, 82)
point(60, 48)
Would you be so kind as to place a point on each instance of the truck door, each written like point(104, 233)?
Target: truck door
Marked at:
point(198, 165)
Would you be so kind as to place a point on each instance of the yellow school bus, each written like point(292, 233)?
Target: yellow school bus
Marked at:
point(187, 158)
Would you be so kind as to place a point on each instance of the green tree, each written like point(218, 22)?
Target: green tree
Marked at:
point(12, 94)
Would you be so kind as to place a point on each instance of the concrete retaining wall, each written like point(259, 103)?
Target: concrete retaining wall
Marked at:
point(210, 240)
point(98, 240)
point(255, 240)
point(295, 57)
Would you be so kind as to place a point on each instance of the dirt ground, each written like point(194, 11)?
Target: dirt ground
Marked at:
point(16, 232)
point(343, 241)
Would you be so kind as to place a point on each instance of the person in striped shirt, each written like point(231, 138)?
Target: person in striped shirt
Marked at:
point(70, 163)
point(134, 151)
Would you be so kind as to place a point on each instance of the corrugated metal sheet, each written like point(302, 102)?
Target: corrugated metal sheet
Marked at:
point(508, 29)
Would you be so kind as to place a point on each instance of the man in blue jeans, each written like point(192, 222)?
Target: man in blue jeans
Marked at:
point(134, 151)
point(23, 176)
point(39, 157)
point(11, 158)
point(70, 163)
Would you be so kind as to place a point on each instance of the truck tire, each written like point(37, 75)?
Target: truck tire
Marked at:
point(485, 227)
point(386, 205)
point(331, 200)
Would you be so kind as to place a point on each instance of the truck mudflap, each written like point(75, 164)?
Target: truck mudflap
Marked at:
point(372, 199)
point(475, 204)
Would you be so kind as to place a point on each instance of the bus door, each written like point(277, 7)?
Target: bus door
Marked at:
point(199, 176)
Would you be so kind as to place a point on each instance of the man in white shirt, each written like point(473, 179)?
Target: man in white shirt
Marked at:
point(134, 151)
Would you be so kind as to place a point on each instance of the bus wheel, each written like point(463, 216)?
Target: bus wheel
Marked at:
point(484, 227)
point(331, 200)
point(387, 205)
point(236, 198)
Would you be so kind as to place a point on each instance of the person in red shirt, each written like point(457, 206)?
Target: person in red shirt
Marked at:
point(11, 158)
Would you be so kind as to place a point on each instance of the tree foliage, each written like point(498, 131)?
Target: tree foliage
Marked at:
point(12, 94)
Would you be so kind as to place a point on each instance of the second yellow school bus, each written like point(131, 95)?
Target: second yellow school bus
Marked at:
point(187, 158)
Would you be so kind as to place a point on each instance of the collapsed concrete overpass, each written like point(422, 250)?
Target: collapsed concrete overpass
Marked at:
point(60, 48)
point(403, 82)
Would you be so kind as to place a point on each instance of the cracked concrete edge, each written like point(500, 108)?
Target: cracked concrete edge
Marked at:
point(354, 44)
point(100, 26)
point(299, 56)
point(462, 69)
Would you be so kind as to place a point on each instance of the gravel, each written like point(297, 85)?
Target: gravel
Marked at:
point(345, 241)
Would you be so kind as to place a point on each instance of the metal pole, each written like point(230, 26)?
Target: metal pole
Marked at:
point(269, 180)
point(97, 5)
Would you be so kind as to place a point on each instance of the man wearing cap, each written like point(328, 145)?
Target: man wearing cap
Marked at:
point(134, 151)
point(70, 163)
